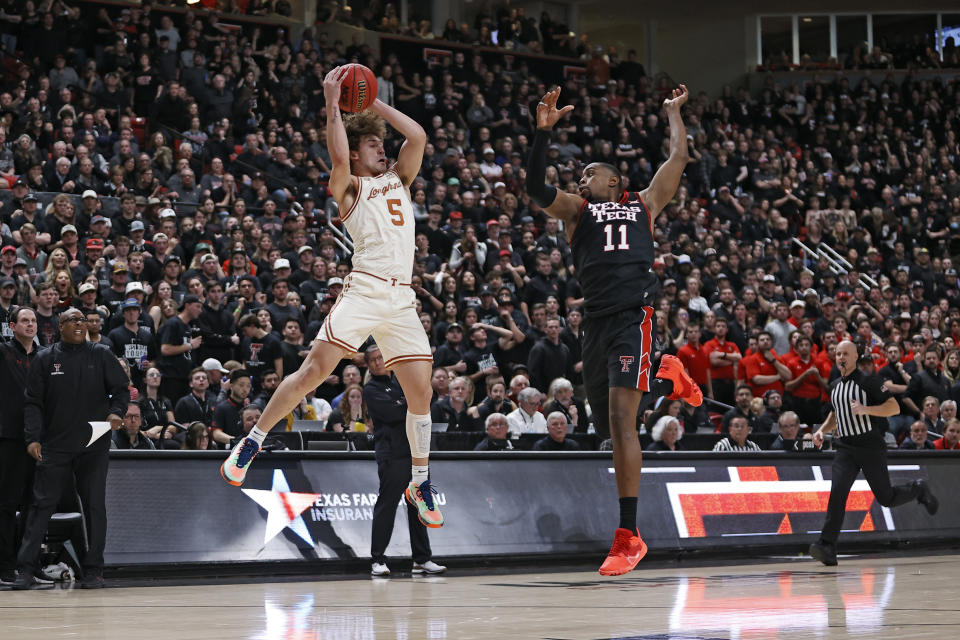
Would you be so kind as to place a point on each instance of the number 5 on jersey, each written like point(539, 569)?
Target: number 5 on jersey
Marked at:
point(608, 230)
point(396, 212)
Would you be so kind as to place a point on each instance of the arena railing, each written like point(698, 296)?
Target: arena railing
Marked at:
point(835, 262)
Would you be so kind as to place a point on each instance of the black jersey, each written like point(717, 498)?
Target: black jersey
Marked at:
point(613, 252)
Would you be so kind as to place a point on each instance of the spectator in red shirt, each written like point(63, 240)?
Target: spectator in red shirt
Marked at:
point(826, 360)
point(724, 356)
point(764, 370)
point(951, 436)
point(695, 359)
point(797, 310)
point(806, 385)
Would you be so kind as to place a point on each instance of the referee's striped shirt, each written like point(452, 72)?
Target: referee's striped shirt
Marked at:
point(729, 445)
point(865, 389)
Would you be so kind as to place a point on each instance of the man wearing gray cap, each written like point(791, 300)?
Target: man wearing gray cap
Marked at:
point(70, 240)
point(137, 236)
point(215, 373)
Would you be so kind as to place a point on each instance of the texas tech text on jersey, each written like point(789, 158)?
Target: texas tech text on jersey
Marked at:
point(612, 248)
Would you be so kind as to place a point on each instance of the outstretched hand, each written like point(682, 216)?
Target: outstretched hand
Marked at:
point(547, 112)
point(331, 83)
point(677, 99)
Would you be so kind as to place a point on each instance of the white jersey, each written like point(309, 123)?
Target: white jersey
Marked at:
point(381, 225)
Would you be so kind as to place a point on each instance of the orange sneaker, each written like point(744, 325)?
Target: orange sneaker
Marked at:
point(627, 550)
point(684, 388)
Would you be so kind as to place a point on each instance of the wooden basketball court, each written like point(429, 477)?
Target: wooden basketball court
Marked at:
point(867, 597)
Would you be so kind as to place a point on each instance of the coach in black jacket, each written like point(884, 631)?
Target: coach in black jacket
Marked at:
point(16, 467)
point(70, 384)
point(387, 407)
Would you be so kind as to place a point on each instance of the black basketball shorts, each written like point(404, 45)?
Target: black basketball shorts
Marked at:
point(617, 348)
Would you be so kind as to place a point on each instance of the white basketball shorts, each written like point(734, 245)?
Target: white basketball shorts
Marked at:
point(384, 308)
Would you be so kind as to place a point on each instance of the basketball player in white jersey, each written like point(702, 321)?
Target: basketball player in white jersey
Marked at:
point(377, 300)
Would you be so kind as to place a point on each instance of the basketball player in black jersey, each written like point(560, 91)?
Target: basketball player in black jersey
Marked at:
point(611, 234)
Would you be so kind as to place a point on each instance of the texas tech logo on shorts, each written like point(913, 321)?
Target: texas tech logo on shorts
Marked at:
point(625, 361)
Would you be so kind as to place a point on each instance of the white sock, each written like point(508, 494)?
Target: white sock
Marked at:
point(257, 435)
point(420, 474)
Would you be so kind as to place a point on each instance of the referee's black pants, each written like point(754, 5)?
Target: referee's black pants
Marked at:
point(53, 475)
point(848, 461)
point(16, 480)
point(395, 475)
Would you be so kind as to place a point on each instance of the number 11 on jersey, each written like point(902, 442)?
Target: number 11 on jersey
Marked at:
point(622, 230)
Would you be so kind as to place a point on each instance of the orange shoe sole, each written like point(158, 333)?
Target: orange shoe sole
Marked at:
point(619, 571)
point(228, 480)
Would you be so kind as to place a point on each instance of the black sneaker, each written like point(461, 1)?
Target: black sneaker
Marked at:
point(8, 577)
point(92, 581)
point(24, 582)
point(926, 497)
point(825, 553)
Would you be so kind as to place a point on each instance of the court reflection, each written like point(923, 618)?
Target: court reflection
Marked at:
point(758, 603)
point(761, 606)
point(310, 619)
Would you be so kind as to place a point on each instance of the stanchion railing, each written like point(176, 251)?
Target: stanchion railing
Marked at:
point(837, 264)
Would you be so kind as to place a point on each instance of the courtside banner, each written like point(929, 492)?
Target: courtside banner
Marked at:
point(173, 507)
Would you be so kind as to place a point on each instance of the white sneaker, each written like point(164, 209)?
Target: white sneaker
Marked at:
point(429, 568)
point(379, 570)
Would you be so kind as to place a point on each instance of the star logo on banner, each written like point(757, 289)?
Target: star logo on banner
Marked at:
point(283, 508)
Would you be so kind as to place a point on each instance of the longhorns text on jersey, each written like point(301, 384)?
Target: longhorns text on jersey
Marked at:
point(381, 224)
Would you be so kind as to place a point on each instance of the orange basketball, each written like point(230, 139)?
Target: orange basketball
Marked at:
point(358, 89)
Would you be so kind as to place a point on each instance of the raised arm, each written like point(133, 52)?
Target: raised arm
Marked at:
point(341, 186)
point(558, 204)
point(665, 182)
point(411, 153)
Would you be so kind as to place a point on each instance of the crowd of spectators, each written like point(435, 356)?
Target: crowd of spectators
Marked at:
point(916, 52)
point(494, 25)
point(220, 253)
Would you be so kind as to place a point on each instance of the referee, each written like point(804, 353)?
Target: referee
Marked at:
point(860, 408)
